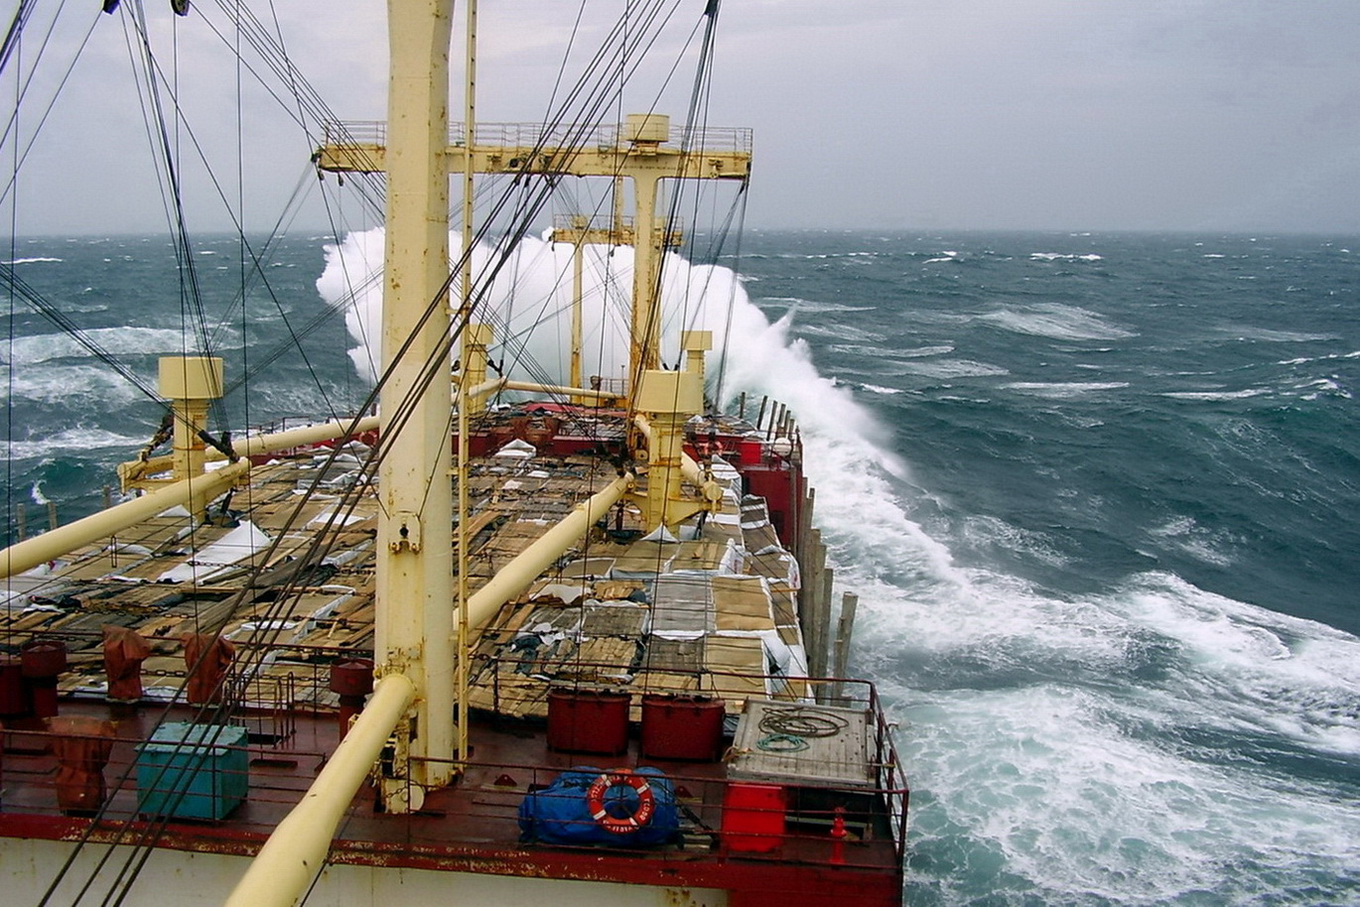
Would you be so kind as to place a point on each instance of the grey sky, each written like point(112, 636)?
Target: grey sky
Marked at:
point(1009, 114)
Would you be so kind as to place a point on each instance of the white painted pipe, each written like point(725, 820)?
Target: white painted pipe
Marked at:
point(65, 539)
point(255, 445)
point(515, 577)
point(284, 868)
point(487, 388)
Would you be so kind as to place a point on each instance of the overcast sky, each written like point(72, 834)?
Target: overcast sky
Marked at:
point(918, 114)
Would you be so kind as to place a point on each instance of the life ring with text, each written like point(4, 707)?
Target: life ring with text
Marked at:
point(621, 825)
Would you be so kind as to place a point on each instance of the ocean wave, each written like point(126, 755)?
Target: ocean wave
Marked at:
point(120, 341)
point(74, 388)
point(34, 260)
point(1063, 389)
point(1206, 546)
point(1063, 256)
point(1218, 396)
point(71, 442)
point(1060, 322)
point(810, 305)
point(1266, 335)
point(1304, 360)
point(948, 368)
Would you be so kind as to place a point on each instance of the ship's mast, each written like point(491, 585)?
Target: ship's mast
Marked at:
point(414, 623)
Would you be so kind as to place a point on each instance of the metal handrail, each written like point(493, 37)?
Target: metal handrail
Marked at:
point(538, 135)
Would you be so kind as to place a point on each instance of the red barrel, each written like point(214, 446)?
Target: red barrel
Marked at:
point(686, 728)
point(588, 721)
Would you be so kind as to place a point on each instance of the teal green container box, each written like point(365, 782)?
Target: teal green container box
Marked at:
point(192, 771)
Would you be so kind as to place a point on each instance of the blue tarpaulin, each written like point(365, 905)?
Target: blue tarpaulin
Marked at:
point(558, 814)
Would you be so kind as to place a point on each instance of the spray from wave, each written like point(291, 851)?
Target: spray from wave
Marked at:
point(530, 305)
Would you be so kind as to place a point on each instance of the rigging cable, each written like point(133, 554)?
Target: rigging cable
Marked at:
point(436, 366)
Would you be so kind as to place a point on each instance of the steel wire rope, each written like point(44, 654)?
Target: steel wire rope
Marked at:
point(15, 32)
point(118, 880)
point(596, 106)
point(695, 123)
point(723, 359)
point(655, 315)
point(12, 45)
point(429, 374)
point(191, 297)
point(209, 170)
point(141, 848)
point(11, 124)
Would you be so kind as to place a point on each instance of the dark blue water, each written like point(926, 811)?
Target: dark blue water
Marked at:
point(1099, 495)
point(1106, 523)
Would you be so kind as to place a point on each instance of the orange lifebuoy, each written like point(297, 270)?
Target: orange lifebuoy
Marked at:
point(621, 777)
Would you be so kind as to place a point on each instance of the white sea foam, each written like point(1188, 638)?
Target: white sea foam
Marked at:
point(63, 442)
point(32, 261)
point(1243, 394)
point(1187, 535)
point(918, 352)
point(1272, 336)
point(945, 368)
point(1061, 322)
point(1063, 256)
point(809, 305)
point(1061, 741)
point(119, 341)
point(1063, 390)
point(73, 386)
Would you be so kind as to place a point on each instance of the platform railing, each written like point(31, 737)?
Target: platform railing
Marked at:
point(540, 135)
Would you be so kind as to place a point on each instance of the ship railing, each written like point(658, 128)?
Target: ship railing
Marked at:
point(223, 790)
point(290, 720)
point(500, 678)
point(605, 136)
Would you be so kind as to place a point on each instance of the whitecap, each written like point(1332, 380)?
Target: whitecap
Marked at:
point(1062, 256)
point(116, 341)
point(70, 442)
point(1060, 322)
point(1064, 389)
point(1217, 395)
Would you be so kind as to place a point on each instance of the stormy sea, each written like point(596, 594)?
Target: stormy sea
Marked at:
point(1099, 497)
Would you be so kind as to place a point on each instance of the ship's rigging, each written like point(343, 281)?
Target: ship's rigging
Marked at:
point(511, 212)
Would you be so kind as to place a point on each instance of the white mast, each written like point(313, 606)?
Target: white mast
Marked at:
point(414, 631)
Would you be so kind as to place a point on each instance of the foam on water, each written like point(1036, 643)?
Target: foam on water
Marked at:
point(68, 440)
point(1063, 389)
point(74, 386)
point(120, 341)
point(1061, 322)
